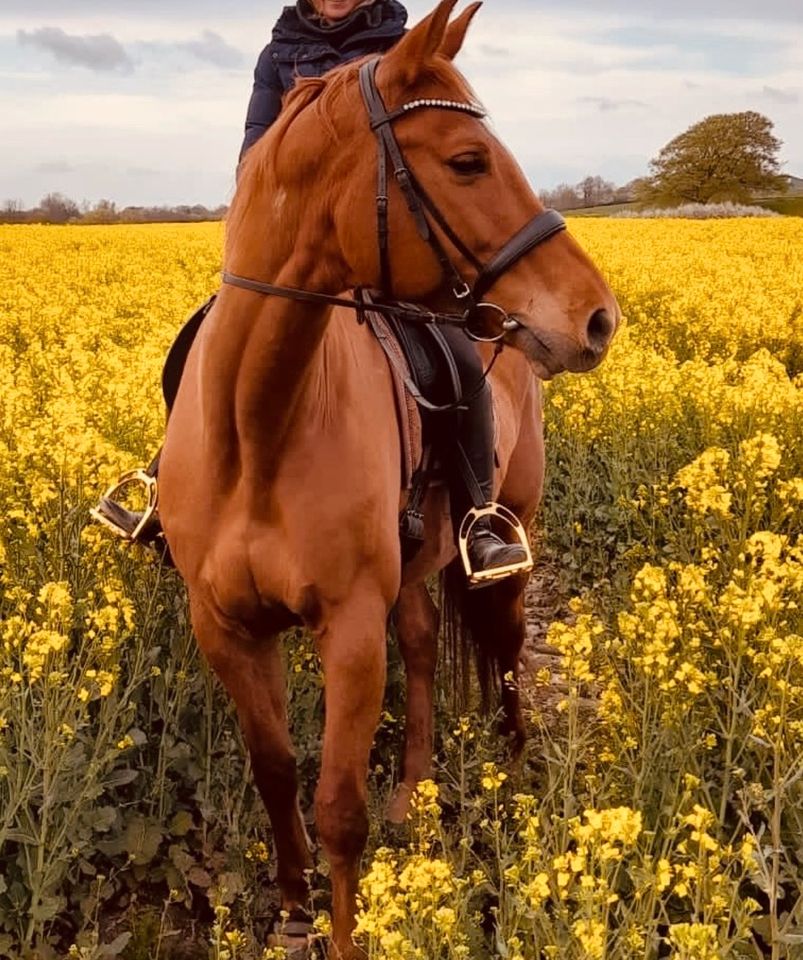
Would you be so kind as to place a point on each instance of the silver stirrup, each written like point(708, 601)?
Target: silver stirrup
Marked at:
point(477, 577)
point(133, 476)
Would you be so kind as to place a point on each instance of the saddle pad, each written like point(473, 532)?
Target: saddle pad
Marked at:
point(407, 413)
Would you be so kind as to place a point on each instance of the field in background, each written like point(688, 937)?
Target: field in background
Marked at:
point(661, 805)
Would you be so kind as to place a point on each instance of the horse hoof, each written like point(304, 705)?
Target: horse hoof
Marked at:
point(399, 805)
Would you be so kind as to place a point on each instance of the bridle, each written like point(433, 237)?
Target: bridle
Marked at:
point(424, 211)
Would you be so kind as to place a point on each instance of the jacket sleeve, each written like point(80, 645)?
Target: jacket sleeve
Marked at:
point(265, 102)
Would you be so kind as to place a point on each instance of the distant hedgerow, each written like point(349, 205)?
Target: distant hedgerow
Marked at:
point(700, 211)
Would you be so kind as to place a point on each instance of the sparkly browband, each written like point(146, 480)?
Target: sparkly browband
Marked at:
point(472, 109)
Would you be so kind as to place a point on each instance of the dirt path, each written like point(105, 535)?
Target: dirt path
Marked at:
point(544, 603)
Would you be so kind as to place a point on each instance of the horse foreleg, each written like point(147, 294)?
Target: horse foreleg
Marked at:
point(353, 654)
point(251, 669)
point(417, 631)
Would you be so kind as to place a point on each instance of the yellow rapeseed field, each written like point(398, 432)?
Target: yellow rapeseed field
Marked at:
point(661, 808)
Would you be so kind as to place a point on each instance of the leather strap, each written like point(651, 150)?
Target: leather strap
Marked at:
point(408, 381)
point(417, 202)
point(539, 229)
point(469, 478)
point(399, 310)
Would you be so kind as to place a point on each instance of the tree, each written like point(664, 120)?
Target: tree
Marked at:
point(595, 190)
point(104, 211)
point(56, 208)
point(727, 156)
point(563, 197)
point(12, 211)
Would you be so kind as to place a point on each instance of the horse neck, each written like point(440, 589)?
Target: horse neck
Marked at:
point(271, 343)
point(258, 357)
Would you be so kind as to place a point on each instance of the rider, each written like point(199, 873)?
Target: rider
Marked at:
point(309, 39)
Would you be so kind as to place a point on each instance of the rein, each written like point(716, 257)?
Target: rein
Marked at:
point(397, 310)
point(423, 209)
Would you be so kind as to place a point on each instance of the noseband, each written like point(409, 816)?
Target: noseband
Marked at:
point(424, 211)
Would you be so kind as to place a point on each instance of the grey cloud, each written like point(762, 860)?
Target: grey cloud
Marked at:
point(780, 96)
point(680, 9)
point(491, 51)
point(606, 104)
point(212, 48)
point(99, 52)
point(661, 10)
point(55, 166)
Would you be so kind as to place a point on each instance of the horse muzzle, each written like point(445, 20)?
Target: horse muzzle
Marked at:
point(552, 353)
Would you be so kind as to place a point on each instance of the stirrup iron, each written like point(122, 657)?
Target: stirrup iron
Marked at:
point(127, 479)
point(478, 577)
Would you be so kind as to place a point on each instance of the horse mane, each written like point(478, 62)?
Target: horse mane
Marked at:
point(256, 173)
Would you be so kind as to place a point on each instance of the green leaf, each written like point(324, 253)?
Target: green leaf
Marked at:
point(119, 778)
point(180, 859)
point(181, 824)
point(103, 818)
point(230, 885)
point(47, 908)
point(199, 877)
point(116, 947)
point(142, 840)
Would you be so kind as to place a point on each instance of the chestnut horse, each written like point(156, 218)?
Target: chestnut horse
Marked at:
point(280, 475)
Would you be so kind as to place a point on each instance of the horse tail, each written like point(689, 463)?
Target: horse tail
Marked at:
point(467, 629)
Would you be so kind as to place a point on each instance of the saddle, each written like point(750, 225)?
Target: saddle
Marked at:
point(426, 382)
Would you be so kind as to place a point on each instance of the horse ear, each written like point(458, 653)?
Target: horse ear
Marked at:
point(456, 31)
point(404, 62)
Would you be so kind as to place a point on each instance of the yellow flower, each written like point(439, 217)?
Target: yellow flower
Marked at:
point(663, 874)
point(592, 937)
point(694, 941)
point(492, 777)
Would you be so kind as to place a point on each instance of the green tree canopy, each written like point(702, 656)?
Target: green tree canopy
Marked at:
point(727, 156)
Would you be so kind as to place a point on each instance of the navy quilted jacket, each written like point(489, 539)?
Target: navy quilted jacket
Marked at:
point(302, 46)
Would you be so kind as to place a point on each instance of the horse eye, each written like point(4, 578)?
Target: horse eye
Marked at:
point(468, 164)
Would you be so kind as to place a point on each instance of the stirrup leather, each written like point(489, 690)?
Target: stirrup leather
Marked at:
point(152, 490)
point(495, 573)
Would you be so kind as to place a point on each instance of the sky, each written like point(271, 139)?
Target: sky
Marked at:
point(143, 101)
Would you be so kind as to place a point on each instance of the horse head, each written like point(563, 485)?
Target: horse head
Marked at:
point(321, 163)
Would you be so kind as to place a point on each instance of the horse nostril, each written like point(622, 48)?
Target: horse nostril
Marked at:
point(600, 330)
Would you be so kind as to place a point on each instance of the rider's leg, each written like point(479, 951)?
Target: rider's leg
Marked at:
point(475, 435)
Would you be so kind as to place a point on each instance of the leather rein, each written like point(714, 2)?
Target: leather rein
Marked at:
point(423, 209)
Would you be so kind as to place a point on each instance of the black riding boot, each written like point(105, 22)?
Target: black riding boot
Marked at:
point(475, 435)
